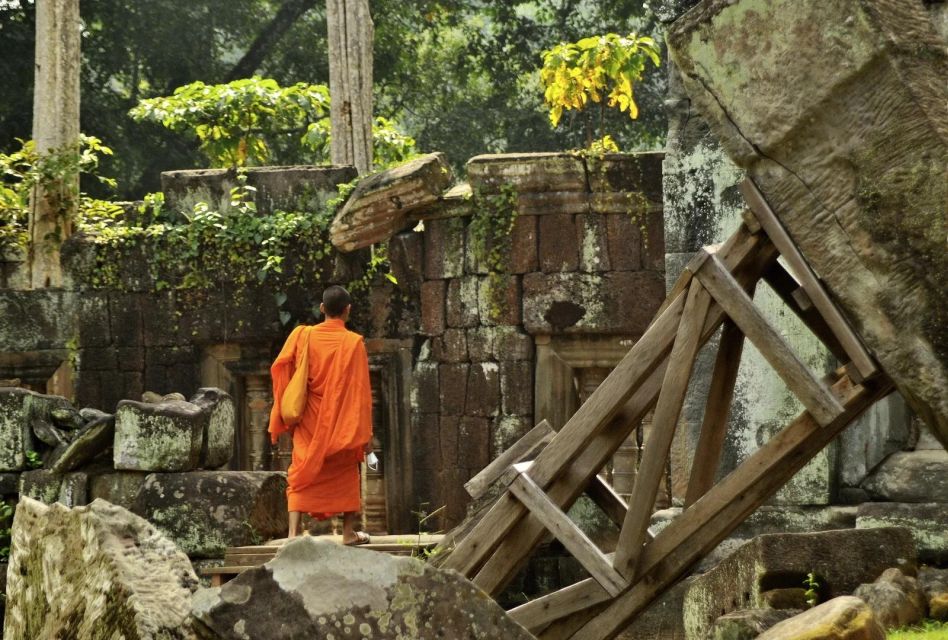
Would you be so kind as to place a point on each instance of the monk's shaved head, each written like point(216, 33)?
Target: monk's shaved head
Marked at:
point(335, 301)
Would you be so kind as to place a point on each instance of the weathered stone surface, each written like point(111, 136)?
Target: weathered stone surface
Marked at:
point(74, 490)
point(316, 589)
point(9, 483)
point(618, 302)
point(432, 307)
point(527, 172)
point(786, 598)
point(205, 512)
point(444, 248)
point(120, 487)
point(217, 441)
point(47, 433)
point(380, 204)
point(94, 572)
point(461, 301)
point(928, 523)
point(934, 584)
point(910, 476)
point(15, 431)
point(662, 619)
point(89, 442)
point(41, 484)
point(559, 243)
point(165, 436)
point(779, 561)
point(747, 624)
point(843, 618)
point(871, 224)
point(896, 600)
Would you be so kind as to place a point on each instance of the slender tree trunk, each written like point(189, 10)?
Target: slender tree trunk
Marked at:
point(350, 82)
point(290, 11)
point(53, 204)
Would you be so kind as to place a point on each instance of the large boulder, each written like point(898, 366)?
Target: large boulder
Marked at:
point(934, 584)
point(852, 158)
point(97, 573)
point(205, 512)
point(163, 436)
point(843, 618)
point(910, 476)
point(318, 589)
point(747, 624)
point(746, 578)
point(896, 599)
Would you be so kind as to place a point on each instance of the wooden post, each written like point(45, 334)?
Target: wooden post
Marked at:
point(350, 82)
point(53, 205)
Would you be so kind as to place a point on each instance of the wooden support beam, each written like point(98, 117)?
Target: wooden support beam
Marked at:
point(716, 413)
point(858, 354)
point(664, 421)
point(524, 448)
point(571, 536)
point(738, 305)
point(702, 527)
point(605, 497)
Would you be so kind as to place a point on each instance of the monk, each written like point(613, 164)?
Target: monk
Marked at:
point(335, 431)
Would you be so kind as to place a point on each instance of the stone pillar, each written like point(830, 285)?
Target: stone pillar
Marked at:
point(55, 129)
point(351, 34)
point(258, 403)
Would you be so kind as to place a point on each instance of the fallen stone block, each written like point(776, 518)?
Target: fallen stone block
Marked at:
point(15, 433)
point(851, 159)
point(318, 589)
point(204, 512)
point(165, 436)
point(379, 206)
point(910, 476)
point(94, 572)
point(41, 484)
point(934, 584)
point(217, 441)
point(927, 522)
point(843, 618)
point(783, 560)
point(896, 599)
point(747, 624)
point(90, 441)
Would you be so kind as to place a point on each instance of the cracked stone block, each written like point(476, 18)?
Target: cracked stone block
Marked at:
point(165, 436)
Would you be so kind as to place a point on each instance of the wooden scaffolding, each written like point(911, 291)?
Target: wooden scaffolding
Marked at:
point(715, 291)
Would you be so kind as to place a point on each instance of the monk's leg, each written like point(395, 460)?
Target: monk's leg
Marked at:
point(349, 520)
point(294, 524)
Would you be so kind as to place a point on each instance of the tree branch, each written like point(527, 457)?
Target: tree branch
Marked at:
point(289, 12)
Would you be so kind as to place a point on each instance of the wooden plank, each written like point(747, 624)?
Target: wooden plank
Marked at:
point(469, 553)
point(785, 286)
point(605, 497)
point(537, 614)
point(738, 305)
point(841, 328)
point(716, 413)
point(749, 256)
point(563, 529)
point(523, 448)
point(664, 421)
point(701, 527)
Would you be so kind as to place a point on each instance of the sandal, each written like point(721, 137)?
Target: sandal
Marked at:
point(361, 538)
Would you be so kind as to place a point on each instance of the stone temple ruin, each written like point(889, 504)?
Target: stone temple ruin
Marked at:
point(582, 389)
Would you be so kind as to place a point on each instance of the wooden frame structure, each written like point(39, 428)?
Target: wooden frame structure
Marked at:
point(714, 292)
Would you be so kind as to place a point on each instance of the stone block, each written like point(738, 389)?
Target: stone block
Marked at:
point(425, 390)
point(450, 347)
point(474, 435)
point(98, 359)
point(527, 172)
point(425, 438)
point(37, 320)
point(158, 437)
point(74, 491)
point(217, 441)
point(842, 618)
point(118, 487)
point(507, 430)
point(126, 319)
point(483, 389)
point(444, 248)
point(433, 307)
point(95, 572)
point(374, 595)
point(662, 619)
point(222, 508)
point(9, 484)
point(516, 387)
point(625, 241)
point(559, 243)
point(406, 253)
point(778, 561)
point(93, 319)
point(610, 303)
point(523, 245)
point(453, 388)
point(928, 523)
point(461, 302)
point(653, 247)
point(92, 440)
point(627, 173)
point(448, 439)
point(379, 205)
point(480, 343)
point(747, 624)
point(870, 223)
point(510, 343)
point(910, 476)
point(41, 484)
point(15, 434)
point(593, 245)
point(499, 300)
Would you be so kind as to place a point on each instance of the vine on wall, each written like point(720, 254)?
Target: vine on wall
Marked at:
point(491, 233)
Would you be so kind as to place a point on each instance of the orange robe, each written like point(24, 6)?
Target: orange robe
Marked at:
point(329, 441)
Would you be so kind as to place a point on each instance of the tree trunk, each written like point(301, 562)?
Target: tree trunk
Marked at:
point(290, 11)
point(350, 82)
point(53, 204)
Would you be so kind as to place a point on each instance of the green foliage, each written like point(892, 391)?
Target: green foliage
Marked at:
point(25, 168)
point(812, 593)
point(924, 630)
point(492, 223)
point(6, 522)
point(239, 124)
point(33, 460)
point(596, 68)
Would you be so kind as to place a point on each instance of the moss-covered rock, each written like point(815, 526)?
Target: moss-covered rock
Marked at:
point(165, 436)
